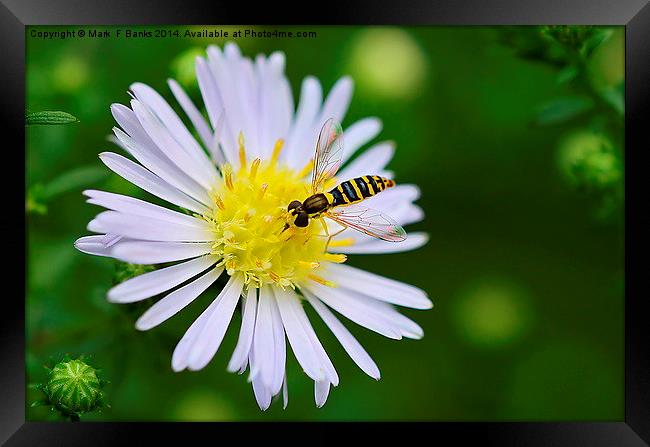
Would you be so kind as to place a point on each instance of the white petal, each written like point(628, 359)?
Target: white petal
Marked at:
point(151, 229)
point(299, 144)
point(182, 350)
point(232, 117)
point(96, 227)
point(94, 245)
point(280, 99)
point(321, 391)
point(240, 354)
point(262, 394)
point(171, 304)
point(217, 151)
point(359, 134)
point(378, 287)
point(158, 163)
point(158, 281)
point(347, 340)
point(412, 214)
point(263, 344)
point(148, 252)
point(130, 124)
point(192, 112)
point(337, 300)
point(209, 339)
point(325, 361)
point(131, 205)
point(399, 195)
point(407, 327)
point(226, 75)
point(168, 145)
point(337, 102)
point(299, 340)
point(215, 107)
point(370, 162)
point(177, 130)
point(209, 91)
point(150, 182)
point(412, 242)
point(285, 393)
point(280, 348)
point(142, 252)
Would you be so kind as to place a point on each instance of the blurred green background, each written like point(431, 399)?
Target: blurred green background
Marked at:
point(515, 137)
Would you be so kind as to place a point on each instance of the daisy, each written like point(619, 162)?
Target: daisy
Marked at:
point(230, 190)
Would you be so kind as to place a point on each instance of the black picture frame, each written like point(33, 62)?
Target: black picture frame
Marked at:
point(634, 430)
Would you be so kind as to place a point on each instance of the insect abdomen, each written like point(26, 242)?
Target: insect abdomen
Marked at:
point(357, 189)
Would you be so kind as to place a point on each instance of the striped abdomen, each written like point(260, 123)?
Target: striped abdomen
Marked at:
point(357, 189)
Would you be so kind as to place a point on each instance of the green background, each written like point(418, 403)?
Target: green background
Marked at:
point(524, 266)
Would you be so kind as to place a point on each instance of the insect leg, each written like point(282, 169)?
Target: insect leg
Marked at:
point(329, 239)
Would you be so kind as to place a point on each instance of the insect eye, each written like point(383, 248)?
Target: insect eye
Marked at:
point(302, 220)
point(293, 205)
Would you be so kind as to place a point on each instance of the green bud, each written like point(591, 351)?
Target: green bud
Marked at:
point(573, 35)
point(73, 387)
point(589, 161)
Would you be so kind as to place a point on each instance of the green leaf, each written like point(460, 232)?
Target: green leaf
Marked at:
point(39, 403)
point(49, 118)
point(594, 41)
point(562, 109)
point(614, 96)
point(567, 74)
point(77, 178)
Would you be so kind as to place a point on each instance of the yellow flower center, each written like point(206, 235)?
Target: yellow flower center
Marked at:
point(249, 216)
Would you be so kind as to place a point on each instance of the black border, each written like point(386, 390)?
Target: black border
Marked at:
point(634, 14)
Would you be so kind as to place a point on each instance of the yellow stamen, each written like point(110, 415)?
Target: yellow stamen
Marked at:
point(242, 151)
point(276, 150)
point(307, 169)
point(263, 189)
point(336, 257)
point(219, 203)
point(254, 167)
point(320, 280)
point(310, 265)
point(229, 184)
point(342, 242)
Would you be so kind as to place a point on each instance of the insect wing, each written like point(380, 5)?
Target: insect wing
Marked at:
point(368, 221)
point(329, 151)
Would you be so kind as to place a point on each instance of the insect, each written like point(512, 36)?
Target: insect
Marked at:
point(340, 204)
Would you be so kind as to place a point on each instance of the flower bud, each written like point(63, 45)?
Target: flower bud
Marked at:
point(73, 387)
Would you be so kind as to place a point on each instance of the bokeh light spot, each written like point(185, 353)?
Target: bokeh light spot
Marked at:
point(203, 406)
point(492, 312)
point(183, 66)
point(70, 74)
point(387, 63)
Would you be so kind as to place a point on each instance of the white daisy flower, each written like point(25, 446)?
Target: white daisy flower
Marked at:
point(258, 160)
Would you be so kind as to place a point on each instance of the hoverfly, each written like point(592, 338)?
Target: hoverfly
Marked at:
point(340, 204)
